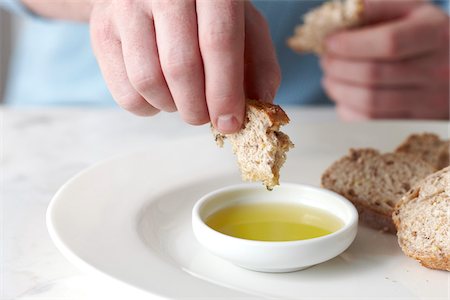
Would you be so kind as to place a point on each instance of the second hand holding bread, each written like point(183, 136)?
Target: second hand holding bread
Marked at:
point(320, 22)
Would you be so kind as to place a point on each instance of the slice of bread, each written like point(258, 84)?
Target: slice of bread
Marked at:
point(259, 146)
point(328, 18)
point(429, 147)
point(375, 182)
point(422, 218)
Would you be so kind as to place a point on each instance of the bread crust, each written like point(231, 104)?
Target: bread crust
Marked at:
point(309, 37)
point(433, 262)
point(275, 113)
point(260, 146)
point(374, 215)
point(436, 152)
point(374, 219)
point(432, 257)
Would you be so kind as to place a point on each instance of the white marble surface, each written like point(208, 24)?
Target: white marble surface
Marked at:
point(40, 150)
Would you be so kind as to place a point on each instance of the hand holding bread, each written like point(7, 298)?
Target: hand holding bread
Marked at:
point(381, 59)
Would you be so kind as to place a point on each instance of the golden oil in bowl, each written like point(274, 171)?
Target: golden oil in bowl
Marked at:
point(274, 222)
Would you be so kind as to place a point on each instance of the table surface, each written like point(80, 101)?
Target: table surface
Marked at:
point(40, 150)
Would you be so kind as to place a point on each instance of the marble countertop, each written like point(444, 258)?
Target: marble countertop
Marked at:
point(40, 150)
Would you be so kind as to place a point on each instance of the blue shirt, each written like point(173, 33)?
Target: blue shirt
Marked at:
point(53, 63)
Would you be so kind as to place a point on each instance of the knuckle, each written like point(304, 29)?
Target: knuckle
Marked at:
point(132, 102)
point(176, 67)
point(102, 32)
point(218, 40)
point(143, 82)
point(195, 119)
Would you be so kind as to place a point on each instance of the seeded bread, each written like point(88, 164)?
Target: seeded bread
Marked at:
point(328, 18)
point(260, 146)
point(422, 221)
point(375, 182)
point(429, 147)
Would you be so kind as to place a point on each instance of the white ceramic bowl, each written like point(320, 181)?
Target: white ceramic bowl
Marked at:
point(275, 256)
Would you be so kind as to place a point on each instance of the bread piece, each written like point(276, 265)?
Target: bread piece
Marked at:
point(429, 147)
point(375, 182)
point(422, 221)
point(259, 146)
point(328, 18)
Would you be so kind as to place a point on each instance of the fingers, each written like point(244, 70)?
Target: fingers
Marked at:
point(373, 102)
point(350, 114)
point(176, 35)
point(423, 71)
point(358, 103)
point(397, 39)
point(221, 38)
point(384, 10)
point(262, 72)
point(141, 56)
point(108, 51)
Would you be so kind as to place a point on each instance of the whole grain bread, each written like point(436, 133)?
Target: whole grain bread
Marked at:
point(422, 221)
point(375, 182)
point(260, 146)
point(328, 18)
point(429, 147)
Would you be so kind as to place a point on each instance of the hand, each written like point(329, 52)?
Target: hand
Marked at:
point(199, 57)
point(396, 68)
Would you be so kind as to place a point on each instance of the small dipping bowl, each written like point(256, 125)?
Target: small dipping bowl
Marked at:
point(268, 256)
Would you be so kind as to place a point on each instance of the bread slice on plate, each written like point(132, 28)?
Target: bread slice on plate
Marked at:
point(328, 18)
point(422, 218)
point(260, 146)
point(429, 147)
point(375, 182)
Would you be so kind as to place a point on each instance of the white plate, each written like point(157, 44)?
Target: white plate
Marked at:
point(129, 218)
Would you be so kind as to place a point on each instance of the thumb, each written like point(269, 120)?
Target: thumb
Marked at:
point(384, 10)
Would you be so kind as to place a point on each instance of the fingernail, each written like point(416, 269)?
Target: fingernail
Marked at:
point(227, 124)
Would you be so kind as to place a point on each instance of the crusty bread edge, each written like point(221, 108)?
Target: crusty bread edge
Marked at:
point(292, 43)
point(367, 214)
point(375, 219)
point(432, 262)
point(274, 112)
point(444, 155)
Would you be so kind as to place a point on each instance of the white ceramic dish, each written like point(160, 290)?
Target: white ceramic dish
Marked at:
point(128, 220)
point(275, 256)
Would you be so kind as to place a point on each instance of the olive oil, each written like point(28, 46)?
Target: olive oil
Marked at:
point(273, 222)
